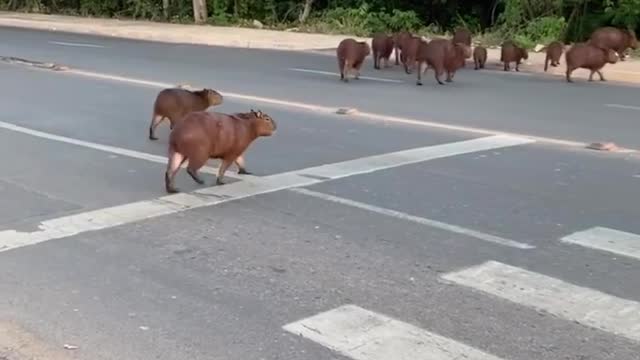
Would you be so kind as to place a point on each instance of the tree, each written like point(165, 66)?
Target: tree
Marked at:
point(305, 11)
point(200, 11)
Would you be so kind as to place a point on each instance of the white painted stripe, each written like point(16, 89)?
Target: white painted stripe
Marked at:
point(619, 106)
point(75, 44)
point(251, 186)
point(337, 75)
point(613, 241)
point(578, 304)
point(416, 219)
point(106, 148)
point(366, 335)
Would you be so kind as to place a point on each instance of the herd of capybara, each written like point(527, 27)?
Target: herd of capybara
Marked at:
point(606, 45)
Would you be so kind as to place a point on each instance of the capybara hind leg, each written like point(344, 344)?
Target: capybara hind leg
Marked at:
point(175, 161)
point(421, 69)
point(195, 163)
point(518, 66)
point(438, 74)
point(568, 75)
point(345, 72)
point(242, 168)
point(223, 168)
point(506, 66)
point(155, 121)
point(546, 63)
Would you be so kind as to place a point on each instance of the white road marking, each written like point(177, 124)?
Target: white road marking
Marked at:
point(251, 186)
point(106, 148)
point(366, 335)
point(613, 241)
point(75, 44)
point(574, 303)
point(337, 75)
point(619, 106)
point(416, 219)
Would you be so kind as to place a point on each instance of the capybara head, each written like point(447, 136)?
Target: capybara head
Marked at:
point(611, 56)
point(463, 50)
point(633, 40)
point(366, 49)
point(265, 125)
point(523, 53)
point(214, 97)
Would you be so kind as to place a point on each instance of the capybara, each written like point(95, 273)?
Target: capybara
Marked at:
point(512, 53)
point(554, 52)
point(588, 56)
point(441, 55)
point(382, 46)
point(609, 37)
point(204, 135)
point(351, 55)
point(410, 51)
point(462, 35)
point(398, 39)
point(479, 57)
point(175, 103)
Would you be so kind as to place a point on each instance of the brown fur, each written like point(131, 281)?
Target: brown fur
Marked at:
point(512, 53)
point(554, 52)
point(382, 46)
point(441, 55)
point(613, 38)
point(588, 56)
point(203, 135)
point(351, 55)
point(175, 103)
point(479, 57)
point(398, 39)
point(463, 36)
point(410, 51)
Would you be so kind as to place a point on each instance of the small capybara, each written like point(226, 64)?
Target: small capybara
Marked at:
point(619, 40)
point(588, 56)
point(203, 135)
point(441, 55)
point(554, 52)
point(479, 57)
point(398, 39)
point(351, 55)
point(175, 103)
point(462, 35)
point(410, 51)
point(382, 46)
point(512, 53)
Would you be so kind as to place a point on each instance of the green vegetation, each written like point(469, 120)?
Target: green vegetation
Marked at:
point(528, 22)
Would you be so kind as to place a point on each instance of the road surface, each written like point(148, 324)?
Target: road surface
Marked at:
point(354, 238)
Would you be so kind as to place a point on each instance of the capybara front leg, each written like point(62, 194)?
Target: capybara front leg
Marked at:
point(506, 66)
point(223, 168)
point(345, 72)
point(196, 161)
point(422, 67)
point(518, 66)
point(242, 169)
point(438, 74)
point(591, 75)
point(568, 75)
point(601, 76)
point(175, 161)
point(155, 121)
point(546, 63)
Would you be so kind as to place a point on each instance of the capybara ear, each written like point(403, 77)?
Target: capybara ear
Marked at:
point(259, 113)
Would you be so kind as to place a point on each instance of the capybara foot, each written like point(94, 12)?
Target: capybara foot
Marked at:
point(419, 83)
point(244, 172)
point(168, 185)
point(219, 182)
point(151, 137)
point(195, 176)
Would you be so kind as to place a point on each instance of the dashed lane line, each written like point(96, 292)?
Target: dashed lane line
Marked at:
point(609, 240)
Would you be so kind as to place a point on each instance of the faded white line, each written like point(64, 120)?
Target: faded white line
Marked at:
point(619, 106)
point(543, 293)
point(605, 239)
point(75, 44)
point(106, 148)
point(251, 186)
point(416, 219)
point(366, 335)
point(337, 75)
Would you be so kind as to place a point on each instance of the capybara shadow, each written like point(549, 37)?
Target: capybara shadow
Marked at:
point(553, 53)
point(619, 40)
point(588, 56)
point(381, 46)
point(204, 135)
point(351, 55)
point(479, 57)
point(441, 55)
point(511, 52)
point(175, 103)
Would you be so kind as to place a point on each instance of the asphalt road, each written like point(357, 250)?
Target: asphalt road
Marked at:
point(323, 224)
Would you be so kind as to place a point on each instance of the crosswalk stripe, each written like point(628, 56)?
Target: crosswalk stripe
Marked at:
point(579, 304)
point(605, 239)
point(365, 335)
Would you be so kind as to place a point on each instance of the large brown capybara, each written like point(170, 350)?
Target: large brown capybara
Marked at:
point(351, 55)
point(613, 38)
point(588, 56)
point(410, 52)
point(398, 39)
point(382, 46)
point(463, 36)
point(204, 135)
point(175, 103)
point(479, 57)
point(512, 53)
point(441, 55)
point(554, 52)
